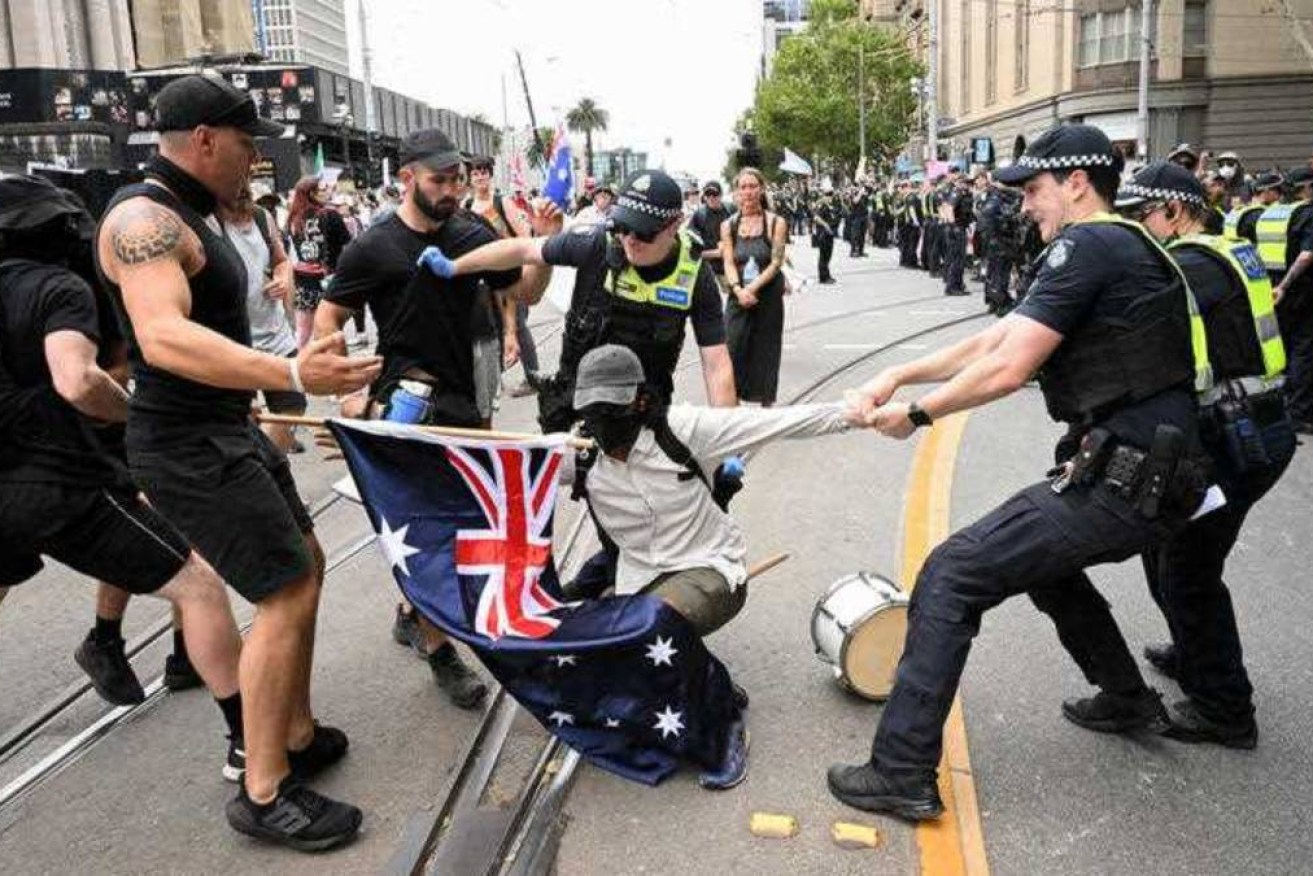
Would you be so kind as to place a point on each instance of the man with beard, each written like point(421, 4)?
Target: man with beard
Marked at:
point(428, 327)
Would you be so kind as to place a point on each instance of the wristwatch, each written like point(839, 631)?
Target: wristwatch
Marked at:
point(918, 417)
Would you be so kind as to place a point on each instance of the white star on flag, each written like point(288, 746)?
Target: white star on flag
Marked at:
point(393, 543)
point(561, 718)
point(612, 722)
point(668, 722)
point(564, 660)
point(661, 651)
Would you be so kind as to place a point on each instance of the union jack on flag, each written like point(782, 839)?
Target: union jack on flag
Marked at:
point(466, 526)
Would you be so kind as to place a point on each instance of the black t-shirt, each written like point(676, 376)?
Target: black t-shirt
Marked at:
point(705, 223)
point(424, 321)
point(45, 439)
point(319, 244)
point(585, 249)
point(1097, 270)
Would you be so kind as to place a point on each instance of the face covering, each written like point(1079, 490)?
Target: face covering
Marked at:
point(614, 433)
point(1226, 171)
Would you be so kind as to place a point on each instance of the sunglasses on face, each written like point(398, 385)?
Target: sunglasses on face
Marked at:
point(1140, 212)
point(643, 236)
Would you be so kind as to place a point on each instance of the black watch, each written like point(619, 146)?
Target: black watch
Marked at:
point(918, 417)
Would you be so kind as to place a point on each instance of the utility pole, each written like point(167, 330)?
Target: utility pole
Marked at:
point(932, 80)
point(1142, 109)
point(367, 64)
point(861, 101)
point(533, 120)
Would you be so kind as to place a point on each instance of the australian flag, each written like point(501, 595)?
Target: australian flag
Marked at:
point(467, 527)
point(560, 171)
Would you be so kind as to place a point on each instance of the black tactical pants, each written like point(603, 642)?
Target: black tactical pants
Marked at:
point(1185, 578)
point(857, 236)
point(998, 278)
point(907, 237)
point(1038, 543)
point(824, 243)
point(955, 259)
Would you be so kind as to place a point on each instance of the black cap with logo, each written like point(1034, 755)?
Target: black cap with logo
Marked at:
point(197, 100)
point(1067, 147)
point(1162, 181)
point(648, 202)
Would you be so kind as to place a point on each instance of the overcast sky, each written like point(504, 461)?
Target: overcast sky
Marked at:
point(677, 69)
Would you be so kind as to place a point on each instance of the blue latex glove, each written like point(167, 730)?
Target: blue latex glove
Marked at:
point(437, 263)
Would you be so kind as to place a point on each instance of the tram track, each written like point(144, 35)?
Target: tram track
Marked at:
point(528, 838)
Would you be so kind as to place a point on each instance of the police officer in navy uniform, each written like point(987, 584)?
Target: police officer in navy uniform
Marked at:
point(1241, 222)
point(1249, 438)
point(1294, 297)
point(1108, 326)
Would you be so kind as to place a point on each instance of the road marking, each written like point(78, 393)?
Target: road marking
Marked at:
point(912, 346)
point(955, 843)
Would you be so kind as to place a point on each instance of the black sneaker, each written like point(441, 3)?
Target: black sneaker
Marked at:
point(111, 674)
point(179, 674)
point(461, 684)
point(298, 818)
point(1163, 659)
point(234, 768)
point(327, 747)
point(1188, 725)
point(1114, 713)
point(862, 786)
point(406, 631)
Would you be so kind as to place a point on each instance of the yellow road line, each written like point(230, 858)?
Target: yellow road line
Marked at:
point(955, 843)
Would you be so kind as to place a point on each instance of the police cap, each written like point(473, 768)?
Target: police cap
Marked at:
point(1299, 176)
point(1161, 181)
point(648, 202)
point(1266, 180)
point(1067, 147)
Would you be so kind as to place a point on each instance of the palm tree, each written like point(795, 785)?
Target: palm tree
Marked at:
point(587, 117)
point(539, 151)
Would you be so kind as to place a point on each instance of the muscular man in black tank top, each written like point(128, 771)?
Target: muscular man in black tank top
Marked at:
point(194, 452)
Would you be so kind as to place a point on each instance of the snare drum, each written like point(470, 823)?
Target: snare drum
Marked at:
point(858, 627)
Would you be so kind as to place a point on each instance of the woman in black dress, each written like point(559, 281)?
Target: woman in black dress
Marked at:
point(752, 244)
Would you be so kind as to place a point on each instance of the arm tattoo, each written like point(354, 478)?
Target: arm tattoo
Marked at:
point(777, 252)
point(145, 235)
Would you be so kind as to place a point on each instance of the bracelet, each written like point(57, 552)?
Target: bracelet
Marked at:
point(294, 370)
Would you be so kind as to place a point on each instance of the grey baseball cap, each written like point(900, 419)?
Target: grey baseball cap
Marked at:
point(610, 374)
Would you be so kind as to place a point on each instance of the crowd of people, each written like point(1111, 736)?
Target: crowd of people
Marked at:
point(1160, 343)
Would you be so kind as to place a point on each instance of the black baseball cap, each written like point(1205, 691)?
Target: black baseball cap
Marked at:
point(711, 188)
point(1267, 180)
point(1067, 147)
point(1299, 176)
point(648, 201)
point(432, 148)
point(1161, 181)
point(197, 100)
point(28, 202)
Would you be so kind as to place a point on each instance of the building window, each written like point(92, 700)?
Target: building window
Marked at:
point(1110, 37)
point(1021, 9)
point(1194, 37)
point(991, 52)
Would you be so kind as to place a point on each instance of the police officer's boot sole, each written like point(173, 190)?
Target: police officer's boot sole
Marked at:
point(862, 787)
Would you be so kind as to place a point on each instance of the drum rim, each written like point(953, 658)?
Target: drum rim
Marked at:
point(843, 648)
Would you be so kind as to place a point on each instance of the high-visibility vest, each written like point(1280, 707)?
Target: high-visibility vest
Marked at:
point(1231, 228)
point(1271, 232)
point(1243, 259)
point(1203, 369)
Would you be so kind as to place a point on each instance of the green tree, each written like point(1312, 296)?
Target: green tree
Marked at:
point(584, 119)
point(539, 151)
point(810, 102)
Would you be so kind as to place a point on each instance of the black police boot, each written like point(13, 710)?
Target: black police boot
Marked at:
point(1163, 658)
point(107, 666)
point(1188, 724)
point(914, 797)
point(740, 697)
point(460, 683)
point(1116, 713)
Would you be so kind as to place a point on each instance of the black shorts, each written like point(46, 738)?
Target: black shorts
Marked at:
point(106, 533)
point(233, 496)
point(285, 401)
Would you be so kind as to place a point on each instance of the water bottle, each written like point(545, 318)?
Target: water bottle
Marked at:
point(751, 270)
point(409, 402)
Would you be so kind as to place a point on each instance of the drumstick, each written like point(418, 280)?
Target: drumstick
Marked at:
point(485, 434)
point(766, 565)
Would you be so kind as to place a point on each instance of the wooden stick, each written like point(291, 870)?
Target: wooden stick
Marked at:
point(766, 565)
point(452, 431)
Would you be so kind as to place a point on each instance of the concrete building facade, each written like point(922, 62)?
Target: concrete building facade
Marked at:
point(303, 32)
point(81, 34)
point(1224, 74)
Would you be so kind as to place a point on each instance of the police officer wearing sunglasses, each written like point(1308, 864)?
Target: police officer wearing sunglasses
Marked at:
point(639, 282)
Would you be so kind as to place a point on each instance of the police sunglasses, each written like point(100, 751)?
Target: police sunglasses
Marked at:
point(1140, 212)
point(622, 230)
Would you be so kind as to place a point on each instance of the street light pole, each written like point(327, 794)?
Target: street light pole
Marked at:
point(861, 101)
point(932, 80)
point(1142, 105)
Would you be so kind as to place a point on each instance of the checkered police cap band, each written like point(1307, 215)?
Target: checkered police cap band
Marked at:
point(1059, 162)
point(1152, 194)
point(662, 213)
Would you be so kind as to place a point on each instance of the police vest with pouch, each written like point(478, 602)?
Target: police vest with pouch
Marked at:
point(648, 317)
point(1243, 338)
point(1108, 362)
point(1272, 232)
point(1231, 227)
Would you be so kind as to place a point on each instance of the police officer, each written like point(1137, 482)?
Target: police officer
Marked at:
point(931, 254)
point(1285, 244)
point(909, 227)
point(957, 213)
point(638, 284)
point(1241, 222)
point(826, 216)
point(881, 216)
point(1248, 435)
point(1108, 321)
point(855, 223)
